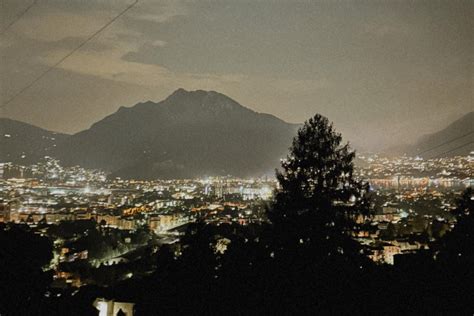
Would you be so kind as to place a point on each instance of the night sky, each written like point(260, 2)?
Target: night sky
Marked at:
point(383, 71)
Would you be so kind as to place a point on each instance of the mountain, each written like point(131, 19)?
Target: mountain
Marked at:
point(189, 134)
point(456, 139)
point(24, 143)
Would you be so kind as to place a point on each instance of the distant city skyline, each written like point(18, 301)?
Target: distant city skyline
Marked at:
point(384, 72)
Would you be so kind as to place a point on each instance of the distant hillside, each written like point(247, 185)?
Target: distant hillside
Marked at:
point(455, 139)
point(188, 134)
point(24, 143)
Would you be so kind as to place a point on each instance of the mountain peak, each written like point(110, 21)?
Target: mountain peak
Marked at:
point(178, 92)
point(204, 99)
point(195, 93)
point(189, 134)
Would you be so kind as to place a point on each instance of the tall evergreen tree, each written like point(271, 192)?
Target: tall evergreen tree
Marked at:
point(318, 199)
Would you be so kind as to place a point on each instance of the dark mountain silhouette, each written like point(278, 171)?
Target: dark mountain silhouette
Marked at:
point(190, 133)
point(447, 142)
point(24, 143)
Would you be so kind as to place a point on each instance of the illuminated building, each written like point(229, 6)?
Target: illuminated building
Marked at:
point(112, 308)
point(4, 212)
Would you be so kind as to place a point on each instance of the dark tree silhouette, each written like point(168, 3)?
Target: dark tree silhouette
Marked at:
point(445, 285)
point(456, 256)
point(457, 246)
point(319, 199)
point(305, 261)
point(22, 281)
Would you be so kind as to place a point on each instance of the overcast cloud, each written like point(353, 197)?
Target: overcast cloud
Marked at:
point(383, 71)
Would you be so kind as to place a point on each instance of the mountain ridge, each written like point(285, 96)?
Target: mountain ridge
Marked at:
point(190, 133)
point(455, 139)
point(26, 143)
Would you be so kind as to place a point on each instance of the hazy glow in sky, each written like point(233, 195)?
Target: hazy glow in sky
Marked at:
point(383, 71)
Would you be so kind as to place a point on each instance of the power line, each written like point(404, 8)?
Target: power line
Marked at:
point(445, 143)
point(18, 17)
point(451, 150)
point(67, 55)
